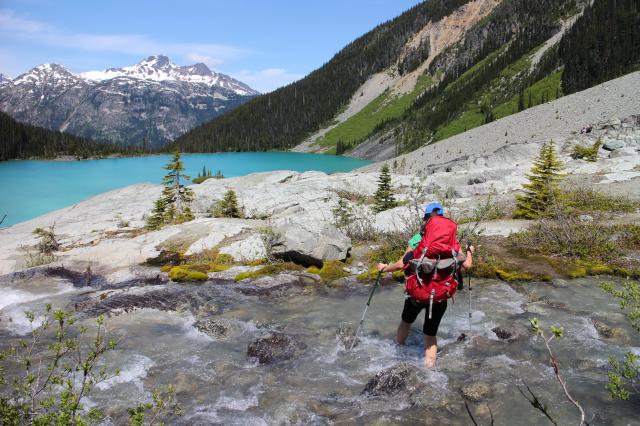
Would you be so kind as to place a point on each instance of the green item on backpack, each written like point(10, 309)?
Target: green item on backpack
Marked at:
point(414, 241)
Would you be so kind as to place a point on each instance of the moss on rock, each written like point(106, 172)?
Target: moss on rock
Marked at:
point(185, 274)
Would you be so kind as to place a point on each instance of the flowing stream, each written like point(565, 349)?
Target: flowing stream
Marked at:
point(217, 383)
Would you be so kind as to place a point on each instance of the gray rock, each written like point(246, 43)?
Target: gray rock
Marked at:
point(393, 380)
point(476, 180)
point(274, 347)
point(213, 327)
point(585, 218)
point(612, 145)
point(623, 152)
point(310, 243)
point(504, 333)
point(559, 283)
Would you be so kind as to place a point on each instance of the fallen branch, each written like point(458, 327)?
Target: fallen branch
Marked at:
point(3, 218)
point(535, 402)
point(557, 332)
point(471, 415)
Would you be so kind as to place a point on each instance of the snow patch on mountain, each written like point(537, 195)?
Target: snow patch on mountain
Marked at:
point(160, 68)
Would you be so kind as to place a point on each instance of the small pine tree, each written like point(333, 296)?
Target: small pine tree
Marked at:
point(228, 206)
point(175, 194)
point(157, 218)
point(543, 184)
point(384, 194)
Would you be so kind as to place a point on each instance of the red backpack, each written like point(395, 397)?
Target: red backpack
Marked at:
point(435, 263)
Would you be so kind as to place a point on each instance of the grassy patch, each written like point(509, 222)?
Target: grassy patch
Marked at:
point(468, 120)
point(545, 90)
point(185, 273)
point(588, 200)
point(382, 109)
point(332, 270)
point(266, 270)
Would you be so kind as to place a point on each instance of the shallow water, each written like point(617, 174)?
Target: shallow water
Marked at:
point(32, 188)
point(218, 384)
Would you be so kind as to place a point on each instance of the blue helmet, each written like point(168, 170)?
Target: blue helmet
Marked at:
point(429, 209)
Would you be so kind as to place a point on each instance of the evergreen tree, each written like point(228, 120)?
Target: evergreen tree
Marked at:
point(384, 194)
point(157, 218)
point(543, 184)
point(228, 206)
point(175, 194)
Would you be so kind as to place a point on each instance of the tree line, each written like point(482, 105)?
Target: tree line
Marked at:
point(19, 141)
point(602, 45)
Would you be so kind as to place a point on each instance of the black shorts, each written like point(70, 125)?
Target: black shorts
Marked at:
point(412, 310)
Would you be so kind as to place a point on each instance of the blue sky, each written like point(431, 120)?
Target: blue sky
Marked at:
point(263, 43)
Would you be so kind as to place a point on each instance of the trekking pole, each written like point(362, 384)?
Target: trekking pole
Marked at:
point(469, 275)
point(355, 336)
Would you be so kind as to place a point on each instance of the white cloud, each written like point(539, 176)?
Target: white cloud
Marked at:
point(41, 33)
point(267, 80)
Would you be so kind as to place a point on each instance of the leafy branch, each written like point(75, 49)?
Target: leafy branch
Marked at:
point(557, 333)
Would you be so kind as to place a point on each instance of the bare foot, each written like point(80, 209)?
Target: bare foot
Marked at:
point(429, 362)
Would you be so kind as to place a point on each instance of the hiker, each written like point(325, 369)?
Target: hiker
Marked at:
point(443, 279)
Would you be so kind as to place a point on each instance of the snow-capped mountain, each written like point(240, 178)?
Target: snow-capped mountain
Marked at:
point(152, 102)
point(4, 79)
point(160, 68)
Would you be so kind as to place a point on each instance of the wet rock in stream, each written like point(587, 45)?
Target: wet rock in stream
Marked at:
point(214, 328)
point(286, 284)
point(169, 298)
point(274, 347)
point(346, 335)
point(503, 333)
point(607, 332)
point(401, 377)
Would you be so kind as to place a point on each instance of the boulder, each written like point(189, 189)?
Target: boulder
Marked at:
point(214, 328)
point(624, 152)
point(247, 249)
point(607, 332)
point(274, 347)
point(503, 333)
point(401, 377)
point(476, 392)
point(310, 243)
point(613, 144)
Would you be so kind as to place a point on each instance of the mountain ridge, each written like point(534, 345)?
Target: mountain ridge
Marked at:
point(145, 105)
point(473, 80)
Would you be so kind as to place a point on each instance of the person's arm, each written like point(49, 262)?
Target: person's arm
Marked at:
point(468, 262)
point(396, 266)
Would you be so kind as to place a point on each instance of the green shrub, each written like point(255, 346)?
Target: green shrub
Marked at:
point(224, 259)
point(587, 153)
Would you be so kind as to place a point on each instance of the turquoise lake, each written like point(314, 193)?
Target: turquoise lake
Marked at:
point(31, 188)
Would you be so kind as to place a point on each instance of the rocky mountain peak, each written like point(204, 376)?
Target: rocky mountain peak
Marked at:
point(198, 69)
point(4, 79)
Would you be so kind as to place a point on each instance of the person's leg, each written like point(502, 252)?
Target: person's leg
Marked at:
point(403, 332)
point(430, 330)
point(430, 351)
point(409, 314)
